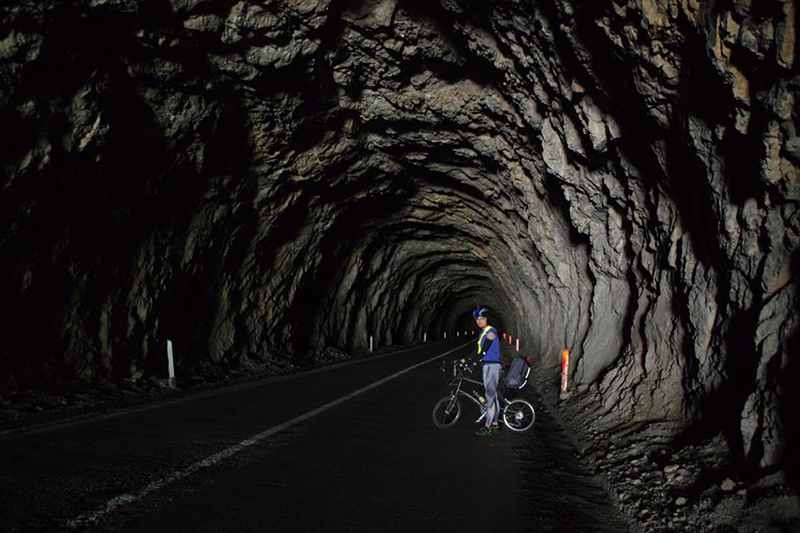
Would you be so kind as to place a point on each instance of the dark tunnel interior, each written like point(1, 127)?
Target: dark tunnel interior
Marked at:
point(277, 185)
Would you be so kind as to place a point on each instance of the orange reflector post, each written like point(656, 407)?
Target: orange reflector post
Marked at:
point(564, 370)
point(509, 340)
point(517, 344)
point(504, 335)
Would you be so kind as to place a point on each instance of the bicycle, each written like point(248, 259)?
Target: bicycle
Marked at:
point(518, 414)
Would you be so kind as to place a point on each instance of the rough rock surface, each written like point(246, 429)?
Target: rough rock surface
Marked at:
point(265, 181)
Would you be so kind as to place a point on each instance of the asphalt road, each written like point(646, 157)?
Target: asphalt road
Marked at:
point(339, 449)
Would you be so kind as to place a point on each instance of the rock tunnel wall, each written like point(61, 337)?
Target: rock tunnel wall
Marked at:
point(279, 180)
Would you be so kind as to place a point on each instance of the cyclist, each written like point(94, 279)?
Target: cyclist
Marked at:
point(488, 354)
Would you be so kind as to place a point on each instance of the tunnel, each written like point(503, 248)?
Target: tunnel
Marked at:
point(276, 186)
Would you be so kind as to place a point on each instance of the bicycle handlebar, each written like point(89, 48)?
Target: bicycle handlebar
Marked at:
point(468, 366)
point(459, 369)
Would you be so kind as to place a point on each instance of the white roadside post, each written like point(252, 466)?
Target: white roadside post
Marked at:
point(170, 364)
point(370, 343)
point(518, 344)
point(425, 337)
point(445, 335)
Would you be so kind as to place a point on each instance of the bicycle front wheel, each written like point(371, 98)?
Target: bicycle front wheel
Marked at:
point(519, 415)
point(447, 412)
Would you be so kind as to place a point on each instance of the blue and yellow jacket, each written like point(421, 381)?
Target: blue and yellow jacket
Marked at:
point(493, 353)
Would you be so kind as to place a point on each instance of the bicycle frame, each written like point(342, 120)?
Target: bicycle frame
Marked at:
point(456, 390)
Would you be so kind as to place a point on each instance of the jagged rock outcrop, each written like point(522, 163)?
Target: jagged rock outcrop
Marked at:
point(263, 181)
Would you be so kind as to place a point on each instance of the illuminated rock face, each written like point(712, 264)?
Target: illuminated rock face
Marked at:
point(272, 182)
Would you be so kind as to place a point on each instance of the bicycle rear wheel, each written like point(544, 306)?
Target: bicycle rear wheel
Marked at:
point(446, 412)
point(519, 415)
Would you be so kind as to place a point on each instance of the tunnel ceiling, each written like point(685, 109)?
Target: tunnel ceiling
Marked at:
point(271, 180)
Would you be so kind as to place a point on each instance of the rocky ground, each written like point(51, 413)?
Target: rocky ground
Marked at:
point(662, 484)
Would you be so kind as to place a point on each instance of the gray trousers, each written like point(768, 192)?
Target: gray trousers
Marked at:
point(491, 376)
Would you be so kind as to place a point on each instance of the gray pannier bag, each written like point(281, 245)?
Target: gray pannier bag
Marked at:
point(517, 374)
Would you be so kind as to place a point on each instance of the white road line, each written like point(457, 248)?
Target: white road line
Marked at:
point(92, 517)
point(189, 396)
